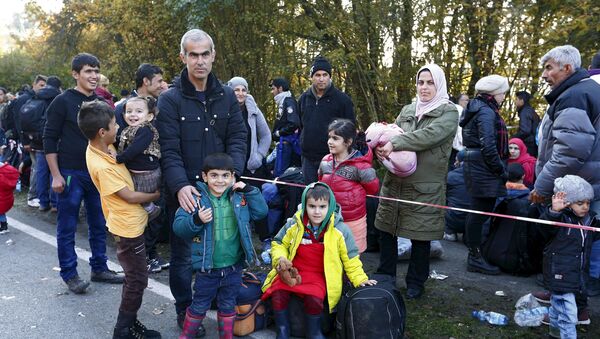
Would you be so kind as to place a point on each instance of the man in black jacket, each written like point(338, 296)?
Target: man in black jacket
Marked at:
point(319, 106)
point(198, 116)
point(65, 145)
point(286, 127)
point(528, 122)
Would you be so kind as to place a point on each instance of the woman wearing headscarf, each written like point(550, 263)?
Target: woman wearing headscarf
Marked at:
point(259, 134)
point(429, 125)
point(486, 140)
point(518, 153)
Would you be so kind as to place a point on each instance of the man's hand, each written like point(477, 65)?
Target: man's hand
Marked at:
point(186, 198)
point(58, 184)
point(536, 198)
point(383, 152)
point(205, 214)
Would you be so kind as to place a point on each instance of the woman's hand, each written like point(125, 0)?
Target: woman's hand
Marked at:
point(383, 152)
point(370, 282)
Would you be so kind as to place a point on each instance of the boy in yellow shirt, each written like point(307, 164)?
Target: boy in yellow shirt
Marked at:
point(125, 217)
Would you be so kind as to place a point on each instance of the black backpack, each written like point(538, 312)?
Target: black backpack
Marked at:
point(33, 115)
point(507, 245)
point(371, 311)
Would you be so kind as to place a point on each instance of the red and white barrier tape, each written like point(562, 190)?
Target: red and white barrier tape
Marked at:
point(539, 221)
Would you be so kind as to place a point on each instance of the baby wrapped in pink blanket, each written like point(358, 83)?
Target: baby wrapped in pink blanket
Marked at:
point(402, 163)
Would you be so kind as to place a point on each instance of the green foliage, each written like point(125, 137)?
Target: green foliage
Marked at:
point(375, 46)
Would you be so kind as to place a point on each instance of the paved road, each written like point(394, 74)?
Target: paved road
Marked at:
point(35, 303)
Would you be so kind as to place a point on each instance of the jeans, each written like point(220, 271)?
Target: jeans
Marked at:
point(595, 255)
point(131, 253)
point(310, 169)
point(44, 182)
point(78, 187)
point(180, 270)
point(563, 314)
point(222, 283)
point(32, 194)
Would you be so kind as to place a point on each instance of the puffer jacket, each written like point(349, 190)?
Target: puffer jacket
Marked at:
point(8, 181)
point(485, 171)
point(431, 138)
point(190, 130)
point(351, 181)
point(569, 142)
point(246, 206)
point(341, 254)
point(567, 255)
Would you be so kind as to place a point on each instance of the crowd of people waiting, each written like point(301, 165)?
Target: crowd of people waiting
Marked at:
point(165, 155)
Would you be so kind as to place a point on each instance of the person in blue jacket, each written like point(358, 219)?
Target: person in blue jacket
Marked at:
point(219, 228)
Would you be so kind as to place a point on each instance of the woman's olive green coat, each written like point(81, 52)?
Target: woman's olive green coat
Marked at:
point(431, 138)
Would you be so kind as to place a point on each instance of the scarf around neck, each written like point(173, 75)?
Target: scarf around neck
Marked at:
point(281, 96)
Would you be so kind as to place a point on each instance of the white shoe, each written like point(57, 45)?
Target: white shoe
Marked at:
point(33, 203)
point(450, 236)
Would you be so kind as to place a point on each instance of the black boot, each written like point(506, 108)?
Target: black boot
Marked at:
point(145, 332)
point(313, 327)
point(477, 263)
point(124, 327)
point(282, 324)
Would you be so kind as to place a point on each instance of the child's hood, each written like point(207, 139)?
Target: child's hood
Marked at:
point(333, 206)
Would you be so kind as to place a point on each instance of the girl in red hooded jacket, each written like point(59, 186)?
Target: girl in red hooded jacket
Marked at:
point(8, 181)
point(348, 171)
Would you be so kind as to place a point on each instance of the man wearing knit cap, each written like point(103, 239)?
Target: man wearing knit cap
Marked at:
point(568, 136)
point(320, 105)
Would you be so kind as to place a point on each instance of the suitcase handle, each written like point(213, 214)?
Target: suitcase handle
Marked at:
point(250, 312)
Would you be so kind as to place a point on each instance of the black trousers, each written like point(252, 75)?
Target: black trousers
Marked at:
point(131, 253)
point(474, 222)
point(418, 267)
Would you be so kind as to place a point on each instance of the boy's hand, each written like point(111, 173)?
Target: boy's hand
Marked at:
point(205, 214)
point(112, 153)
point(559, 202)
point(155, 195)
point(238, 186)
point(370, 282)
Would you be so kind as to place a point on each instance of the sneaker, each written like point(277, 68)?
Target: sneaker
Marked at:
point(583, 318)
point(144, 331)
point(53, 210)
point(76, 285)
point(33, 203)
point(267, 245)
point(153, 266)
point(164, 264)
point(44, 208)
point(107, 276)
point(155, 213)
point(181, 319)
point(4, 227)
point(542, 296)
point(450, 236)
point(539, 280)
